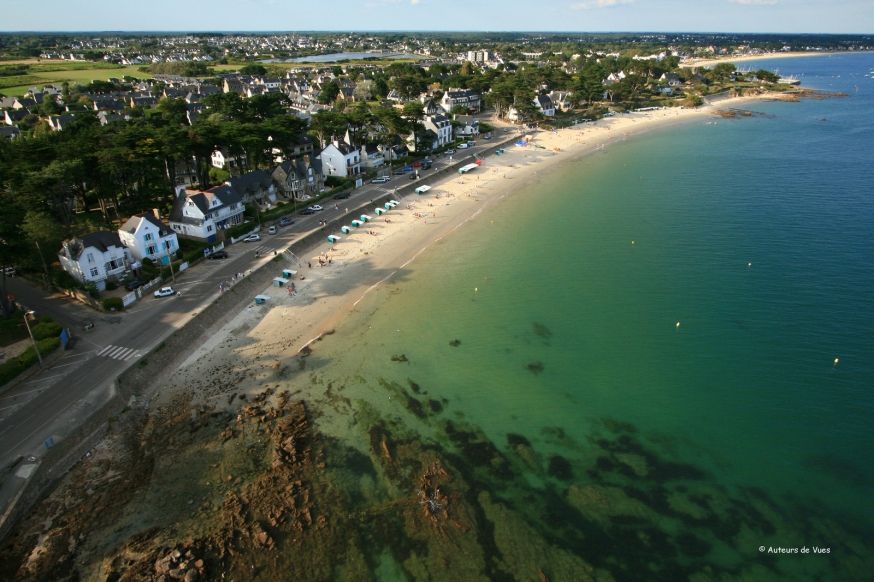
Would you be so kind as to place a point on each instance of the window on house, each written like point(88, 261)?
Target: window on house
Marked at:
point(90, 258)
point(209, 228)
point(94, 271)
point(152, 250)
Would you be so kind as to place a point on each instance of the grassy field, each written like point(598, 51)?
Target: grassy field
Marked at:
point(46, 73)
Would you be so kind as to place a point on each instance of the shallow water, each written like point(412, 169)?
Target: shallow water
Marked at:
point(545, 364)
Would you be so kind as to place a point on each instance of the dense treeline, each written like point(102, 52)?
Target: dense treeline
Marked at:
point(57, 184)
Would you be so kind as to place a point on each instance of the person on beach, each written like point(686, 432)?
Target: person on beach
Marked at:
point(309, 264)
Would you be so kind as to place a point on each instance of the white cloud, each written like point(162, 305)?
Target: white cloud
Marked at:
point(415, 2)
point(590, 4)
point(755, 2)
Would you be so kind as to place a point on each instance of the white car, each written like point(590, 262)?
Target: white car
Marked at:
point(462, 146)
point(165, 292)
point(252, 238)
point(380, 180)
point(315, 208)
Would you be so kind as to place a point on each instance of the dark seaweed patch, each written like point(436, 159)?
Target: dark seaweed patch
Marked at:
point(692, 545)
point(399, 358)
point(514, 439)
point(560, 468)
point(839, 469)
point(541, 330)
point(455, 343)
point(436, 406)
point(414, 387)
point(618, 426)
point(535, 367)
point(414, 406)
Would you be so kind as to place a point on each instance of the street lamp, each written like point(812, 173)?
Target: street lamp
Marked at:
point(35, 347)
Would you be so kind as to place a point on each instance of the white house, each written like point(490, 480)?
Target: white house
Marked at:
point(146, 237)
point(544, 105)
point(200, 214)
point(221, 158)
point(371, 157)
point(464, 98)
point(441, 126)
point(95, 257)
point(340, 159)
point(466, 125)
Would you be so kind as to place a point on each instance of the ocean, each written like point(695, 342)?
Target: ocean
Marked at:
point(657, 364)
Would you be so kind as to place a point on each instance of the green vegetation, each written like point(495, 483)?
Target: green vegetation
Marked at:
point(56, 73)
point(184, 69)
point(112, 303)
point(15, 366)
point(12, 329)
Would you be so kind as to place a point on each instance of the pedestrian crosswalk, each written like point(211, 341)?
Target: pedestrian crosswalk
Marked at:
point(119, 353)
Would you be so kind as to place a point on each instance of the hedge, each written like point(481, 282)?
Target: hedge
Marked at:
point(45, 328)
point(112, 303)
point(15, 366)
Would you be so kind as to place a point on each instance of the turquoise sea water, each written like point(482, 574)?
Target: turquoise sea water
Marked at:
point(609, 437)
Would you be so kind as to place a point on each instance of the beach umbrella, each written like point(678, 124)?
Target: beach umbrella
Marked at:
point(332, 238)
point(357, 223)
point(345, 229)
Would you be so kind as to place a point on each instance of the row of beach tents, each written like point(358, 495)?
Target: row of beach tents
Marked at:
point(361, 220)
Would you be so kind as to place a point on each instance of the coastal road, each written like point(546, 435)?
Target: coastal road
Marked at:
point(54, 402)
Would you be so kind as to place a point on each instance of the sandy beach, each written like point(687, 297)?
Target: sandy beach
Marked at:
point(747, 58)
point(258, 339)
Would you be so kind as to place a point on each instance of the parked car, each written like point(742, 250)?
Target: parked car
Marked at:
point(462, 146)
point(426, 164)
point(471, 143)
point(252, 238)
point(342, 196)
point(272, 230)
point(450, 152)
point(165, 292)
point(315, 208)
point(133, 284)
point(307, 211)
point(9, 271)
point(380, 180)
point(218, 255)
point(285, 221)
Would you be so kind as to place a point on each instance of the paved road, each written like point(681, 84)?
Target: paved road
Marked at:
point(55, 401)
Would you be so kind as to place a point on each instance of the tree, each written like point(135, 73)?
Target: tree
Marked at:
point(254, 69)
point(413, 111)
point(723, 71)
point(364, 90)
point(767, 76)
point(329, 92)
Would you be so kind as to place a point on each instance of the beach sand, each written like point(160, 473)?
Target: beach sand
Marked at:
point(260, 338)
point(747, 58)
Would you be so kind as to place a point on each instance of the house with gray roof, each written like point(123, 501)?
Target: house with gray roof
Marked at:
point(146, 237)
point(95, 258)
point(201, 214)
point(256, 186)
point(298, 179)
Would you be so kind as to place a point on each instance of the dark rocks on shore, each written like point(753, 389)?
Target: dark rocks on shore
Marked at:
point(399, 358)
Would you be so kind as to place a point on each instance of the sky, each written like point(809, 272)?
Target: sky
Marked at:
point(814, 16)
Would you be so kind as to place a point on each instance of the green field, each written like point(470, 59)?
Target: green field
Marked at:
point(55, 73)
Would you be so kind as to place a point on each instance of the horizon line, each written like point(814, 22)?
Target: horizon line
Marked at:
point(400, 30)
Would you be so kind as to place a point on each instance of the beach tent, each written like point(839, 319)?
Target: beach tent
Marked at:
point(389, 205)
point(422, 189)
point(357, 223)
point(345, 229)
point(288, 273)
point(261, 299)
point(393, 201)
point(332, 238)
point(280, 281)
point(365, 218)
point(379, 211)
